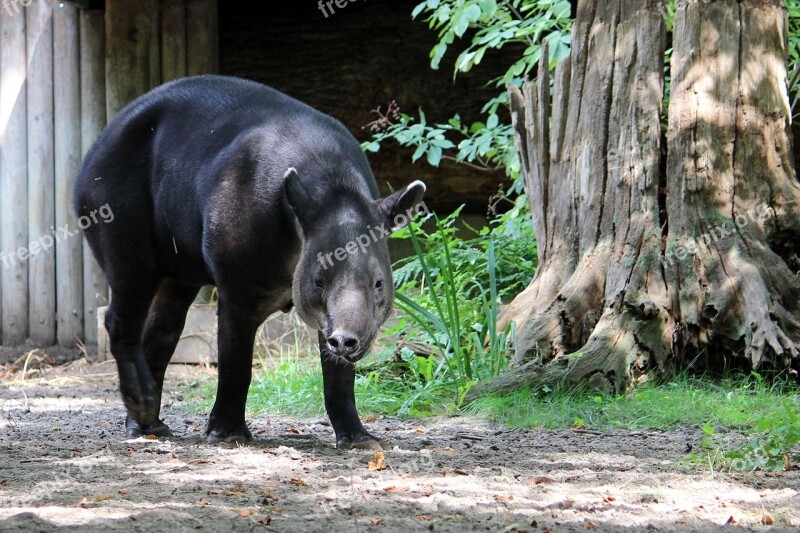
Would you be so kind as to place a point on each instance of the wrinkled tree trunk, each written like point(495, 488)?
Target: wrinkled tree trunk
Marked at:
point(651, 259)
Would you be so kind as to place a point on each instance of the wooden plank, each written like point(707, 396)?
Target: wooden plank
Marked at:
point(41, 173)
point(128, 29)
point(1, 185)
point(69, 249)
point(93, 120)
point(173, 40)
point(13, 177)
point(202, 37)
point(154, 16)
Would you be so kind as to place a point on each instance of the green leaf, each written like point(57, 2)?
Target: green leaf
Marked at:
point(420, 150)
point(461, 25)
point(488, 7)
point(373, 146)
point(434, 155)
point(437, 54)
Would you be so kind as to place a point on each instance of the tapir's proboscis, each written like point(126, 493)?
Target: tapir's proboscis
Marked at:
point(223, 181)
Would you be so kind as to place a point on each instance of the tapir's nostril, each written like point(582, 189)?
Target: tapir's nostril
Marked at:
point(343, 343)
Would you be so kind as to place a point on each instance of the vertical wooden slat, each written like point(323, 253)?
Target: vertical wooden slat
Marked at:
point(93, 120)
point(128, 45)
point(202, 37)
point(173, 40)
point(41, 173)
point(69, 249)
point(13, 176)
point(152, 7)
point(2, 130)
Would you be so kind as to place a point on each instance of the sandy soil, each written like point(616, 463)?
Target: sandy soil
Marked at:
point(65, 463)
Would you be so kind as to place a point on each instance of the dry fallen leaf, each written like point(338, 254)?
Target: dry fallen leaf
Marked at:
point(377, 464)
point(394, 488)
point(102, 498)
point(376, 521)
point(447, 449)
point(203, 502)
point(590, 525)
point(541, 479)
point(372, 418)
point(420, 431)
point(731, 521)
point(122, 492)
point(297, 482)
point(150, 437)
point(174, 459)
point(84, 501)
point(245, 513)
point(198, 461)
point(767, 520)
point(293, 430)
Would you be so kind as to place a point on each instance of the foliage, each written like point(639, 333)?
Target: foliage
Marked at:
point(486, 25)
point(448, 294)
point(793, 53)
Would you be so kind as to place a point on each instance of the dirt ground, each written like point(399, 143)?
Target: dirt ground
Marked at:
point(65, 463)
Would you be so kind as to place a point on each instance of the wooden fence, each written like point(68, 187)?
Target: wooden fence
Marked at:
point(64, 71)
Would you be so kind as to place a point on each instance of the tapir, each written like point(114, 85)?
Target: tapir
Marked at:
point(222, 181)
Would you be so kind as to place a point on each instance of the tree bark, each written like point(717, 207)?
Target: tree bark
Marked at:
point(652, 259)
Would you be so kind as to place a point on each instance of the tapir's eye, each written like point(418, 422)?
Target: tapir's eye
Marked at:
point(379, 284)
point(319, 282)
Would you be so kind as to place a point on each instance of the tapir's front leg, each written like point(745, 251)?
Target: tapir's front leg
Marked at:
point(338, 378)
point(236, 333)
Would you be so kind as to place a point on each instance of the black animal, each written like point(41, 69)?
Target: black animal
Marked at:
point(223, 181)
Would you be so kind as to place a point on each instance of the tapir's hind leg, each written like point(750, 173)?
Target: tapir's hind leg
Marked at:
point(125, 320)
point(162, 331)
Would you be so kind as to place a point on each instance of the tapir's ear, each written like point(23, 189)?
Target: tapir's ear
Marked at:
point(298, 197)
point(399, 208)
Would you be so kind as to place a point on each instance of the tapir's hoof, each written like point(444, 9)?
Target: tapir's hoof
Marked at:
point(135, 429)
point(239, 435)
point(361, 442)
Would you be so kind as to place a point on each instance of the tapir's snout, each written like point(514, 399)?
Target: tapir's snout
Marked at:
point(345, 344)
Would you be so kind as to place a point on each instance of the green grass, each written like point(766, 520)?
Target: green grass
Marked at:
point(293, 387)
point(738, 403)
point(768, 414)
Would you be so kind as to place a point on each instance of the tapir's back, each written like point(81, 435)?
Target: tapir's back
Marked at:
point(171, 154)
point(190, 127)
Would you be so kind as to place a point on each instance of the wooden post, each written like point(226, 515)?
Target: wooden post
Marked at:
point(202, 37)
point(128, 45)
point(41, 173)
point(173, 40)
point(69, 248)
point(93, 120)
point(13, 177)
